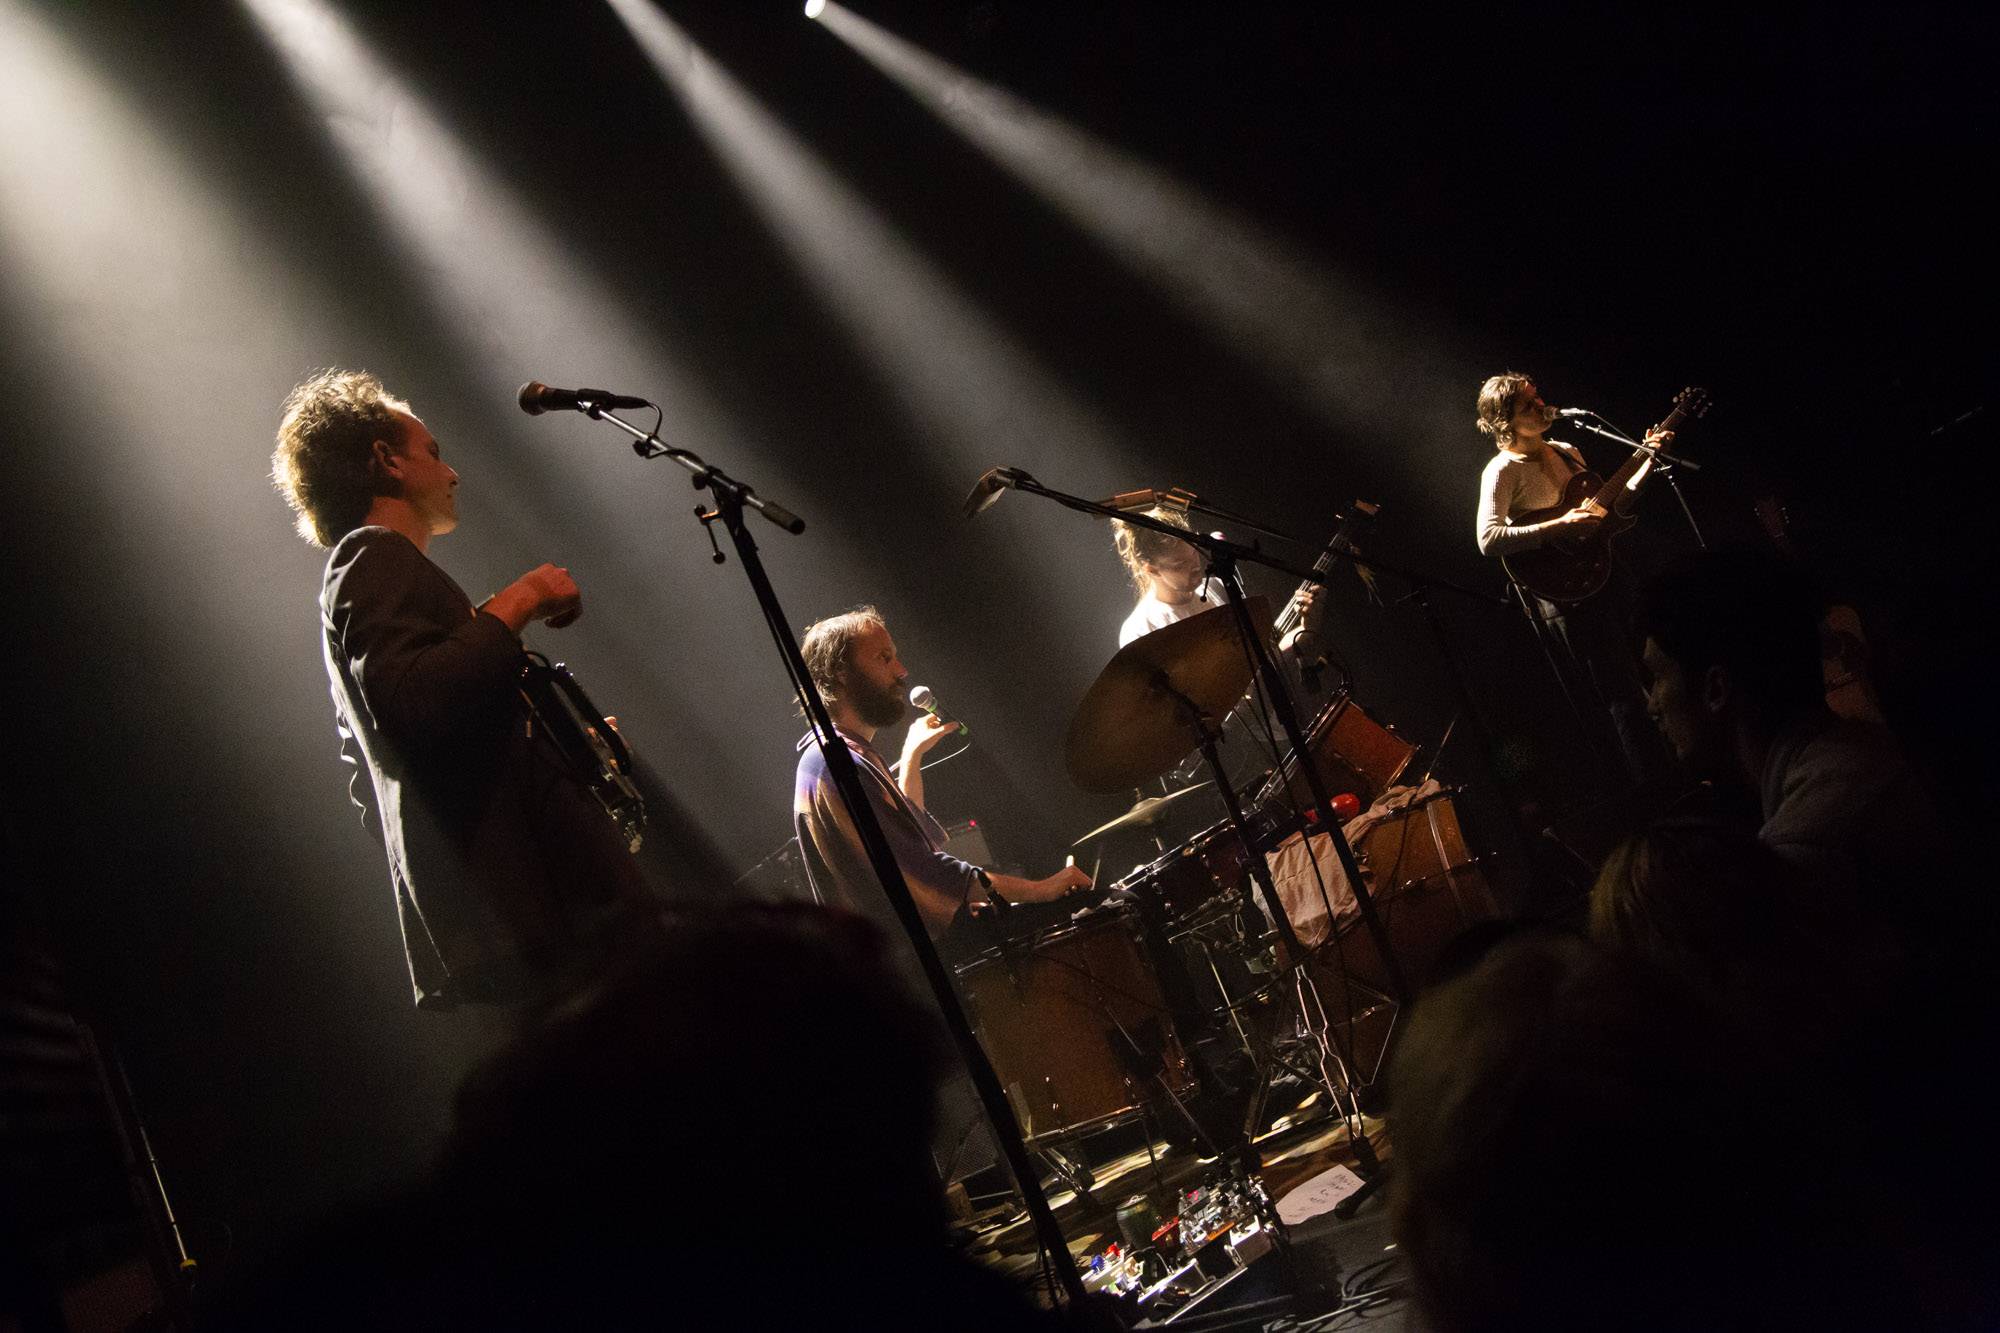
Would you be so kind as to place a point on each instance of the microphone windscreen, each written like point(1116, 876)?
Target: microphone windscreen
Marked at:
point(530, 397)
point(921, 696)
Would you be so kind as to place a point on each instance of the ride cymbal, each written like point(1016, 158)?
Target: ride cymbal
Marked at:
point(1144, 712)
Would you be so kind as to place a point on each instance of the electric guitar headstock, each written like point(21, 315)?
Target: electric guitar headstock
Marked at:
point(1690, 404)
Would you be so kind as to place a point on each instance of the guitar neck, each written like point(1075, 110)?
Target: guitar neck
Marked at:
point(1288, 619)
point(1622, 479)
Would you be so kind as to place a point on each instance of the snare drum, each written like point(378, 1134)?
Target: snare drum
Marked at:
point(1075, 1026)
point(1205, 878)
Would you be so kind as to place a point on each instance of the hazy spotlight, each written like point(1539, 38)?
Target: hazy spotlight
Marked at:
point(814, 8)
point(524, 307)
point(973, 396)
point(961, 378)
point(152, 318)
point(1321, 336)
point(142, 280)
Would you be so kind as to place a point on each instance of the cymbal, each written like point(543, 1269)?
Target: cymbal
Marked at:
point(1147, 811)
point(1134, 722)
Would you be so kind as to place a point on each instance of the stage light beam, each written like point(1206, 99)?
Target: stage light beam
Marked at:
point(972, 394)
point(525, 307)
point(115, 237)
point(1341, 349)
point(963, 380)
point(151, 318)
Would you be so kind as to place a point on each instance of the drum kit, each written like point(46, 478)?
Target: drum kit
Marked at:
point(1093, 1021)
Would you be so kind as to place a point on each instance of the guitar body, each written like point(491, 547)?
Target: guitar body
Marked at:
point(1568, 568)
point(589, 746)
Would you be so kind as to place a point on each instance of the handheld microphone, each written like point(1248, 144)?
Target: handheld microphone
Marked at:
point(536, 398)
point(921, 697)
point(1565, 413)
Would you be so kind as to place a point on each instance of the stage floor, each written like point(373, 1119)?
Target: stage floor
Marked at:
point(1337, 1270)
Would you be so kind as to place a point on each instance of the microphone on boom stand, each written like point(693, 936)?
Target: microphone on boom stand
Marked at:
point(536, 398)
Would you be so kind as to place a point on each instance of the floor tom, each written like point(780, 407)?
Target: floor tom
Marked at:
point(1076, 1026)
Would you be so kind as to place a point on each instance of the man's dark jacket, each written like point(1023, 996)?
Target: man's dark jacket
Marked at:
point(501, 863)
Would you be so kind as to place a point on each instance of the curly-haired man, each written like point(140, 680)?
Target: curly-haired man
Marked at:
point(507, 875)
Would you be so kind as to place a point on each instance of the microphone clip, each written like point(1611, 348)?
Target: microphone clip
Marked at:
point(987, 490)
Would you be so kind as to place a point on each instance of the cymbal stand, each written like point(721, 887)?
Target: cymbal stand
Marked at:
point(732, 498)
point(1340, 1091)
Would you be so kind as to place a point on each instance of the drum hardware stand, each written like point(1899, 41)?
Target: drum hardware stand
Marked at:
point(1165, 1085)
point(731, 499)
point(1338, 1090)
point(1071, 1173)
point(1230, 1004)
point(1313, 1016)
point(1315, 1026)
point(1273, 1057)
point(1320, 1060)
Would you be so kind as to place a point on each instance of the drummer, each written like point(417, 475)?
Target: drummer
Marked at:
point(1173, 583)
point(853, 661)
point(1172, 578)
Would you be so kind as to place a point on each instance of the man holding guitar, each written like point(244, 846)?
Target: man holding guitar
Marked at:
point(1545, 516)
point(508, 877)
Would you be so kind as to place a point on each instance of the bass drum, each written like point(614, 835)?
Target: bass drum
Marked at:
point(1427, 887)
point(1076, 1027)
point(1354, 753)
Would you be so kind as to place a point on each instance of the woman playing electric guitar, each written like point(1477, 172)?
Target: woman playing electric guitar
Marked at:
point(1522, 511)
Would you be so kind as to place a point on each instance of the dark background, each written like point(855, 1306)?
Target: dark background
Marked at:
point(1788, 208)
